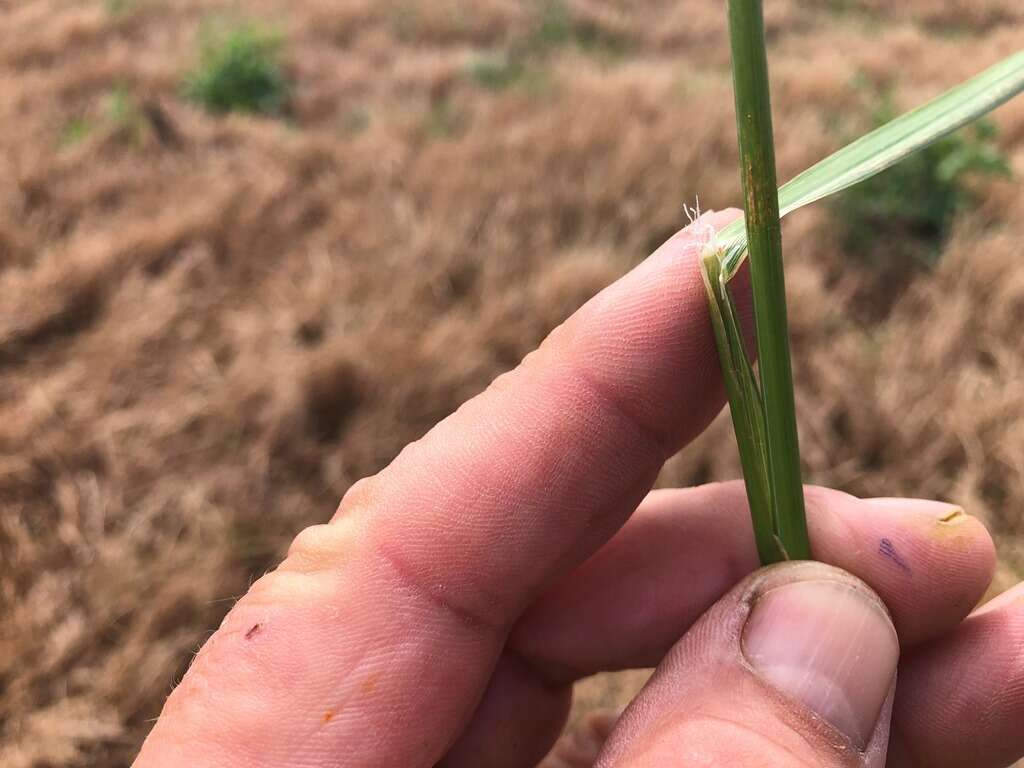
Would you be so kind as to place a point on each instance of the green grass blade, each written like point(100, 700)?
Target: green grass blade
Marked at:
point(764, 236)
point(886, 146)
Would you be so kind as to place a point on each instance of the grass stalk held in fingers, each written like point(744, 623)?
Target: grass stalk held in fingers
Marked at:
point(761, 206)
point(760, 409)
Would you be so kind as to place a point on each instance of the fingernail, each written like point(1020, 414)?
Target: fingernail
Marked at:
point(939, 510)
point(828, 645)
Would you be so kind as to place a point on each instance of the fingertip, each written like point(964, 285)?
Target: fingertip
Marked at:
point(930, 561)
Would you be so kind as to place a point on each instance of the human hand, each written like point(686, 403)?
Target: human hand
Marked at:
point(443, 614)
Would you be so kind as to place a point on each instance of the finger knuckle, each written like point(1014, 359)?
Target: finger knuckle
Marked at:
point(322, 547)
point(361, 494)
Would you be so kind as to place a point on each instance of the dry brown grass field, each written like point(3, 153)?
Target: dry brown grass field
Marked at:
point(211, 325)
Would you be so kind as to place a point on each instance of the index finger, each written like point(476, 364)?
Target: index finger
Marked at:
point(374, 640)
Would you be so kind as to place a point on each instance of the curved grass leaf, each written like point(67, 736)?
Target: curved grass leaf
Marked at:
point(884, 147)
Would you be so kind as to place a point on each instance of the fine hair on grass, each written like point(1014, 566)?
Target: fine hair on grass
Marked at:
point(239, 69)
point(762, 405)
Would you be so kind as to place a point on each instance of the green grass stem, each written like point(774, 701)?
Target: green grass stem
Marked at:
point(764, 237)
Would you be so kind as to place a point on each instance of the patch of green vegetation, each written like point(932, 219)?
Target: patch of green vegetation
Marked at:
point(119, 117)
point(556, 27)
point(239, 69)
point(124, 115)
point(355, 121)
point(523, 63)
point(121, 7)
point(444, 121)
point(497, 71)
point(908, 210)
point(839, 7)
point(75, 131)
point(404, 21)
point(120, 106)
point(865, 18)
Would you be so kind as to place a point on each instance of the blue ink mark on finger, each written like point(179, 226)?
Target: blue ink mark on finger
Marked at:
point(887, 549)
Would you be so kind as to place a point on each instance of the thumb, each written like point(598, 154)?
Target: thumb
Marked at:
point(795, 667)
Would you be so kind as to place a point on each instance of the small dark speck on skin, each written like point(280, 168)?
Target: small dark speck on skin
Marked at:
point(328, 716)
point(251, 633)
point(886, 549)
